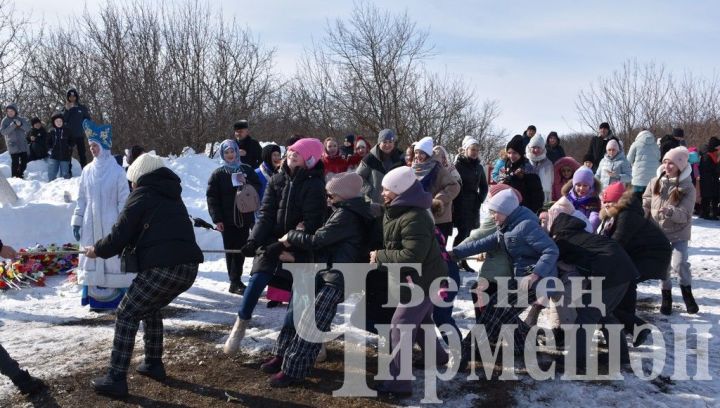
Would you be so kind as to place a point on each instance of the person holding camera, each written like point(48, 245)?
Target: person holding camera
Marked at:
point(15, 128)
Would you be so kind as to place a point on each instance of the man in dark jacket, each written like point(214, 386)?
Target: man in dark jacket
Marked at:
point(709, 182)
point(26, 383)
point(156, 223)
point(74, 115)
point(383, 157)
point(250, 149)
point(595, 255)
point(671, 141)
point(342, 239)
point(596, 149)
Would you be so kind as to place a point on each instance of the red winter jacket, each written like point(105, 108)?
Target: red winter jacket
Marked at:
point(335, 164)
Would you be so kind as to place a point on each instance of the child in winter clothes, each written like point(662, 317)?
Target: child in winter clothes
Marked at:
point(232, 224)
point(293, 196)
point(332, 160)
point(564, 170)
point(520, 175)
point(582, 191)
point(37, 139)
point(15, 128)
point(613, 166)
point(644, 156)
point(60, 145)
point(669, 199)
point(362, 148)
point(499, 166)
point(542, 166)
point(442, 156)
point(342, 239)
point(271, 162)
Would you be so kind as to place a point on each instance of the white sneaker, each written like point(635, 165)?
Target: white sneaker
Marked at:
point(232, 345)
point(322, 355)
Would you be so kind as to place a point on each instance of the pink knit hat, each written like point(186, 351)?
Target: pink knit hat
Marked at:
point(613, 192)
point(345, 185)
point(310, 149)
point(679, 156)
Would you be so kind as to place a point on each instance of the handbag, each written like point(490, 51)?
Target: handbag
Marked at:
point(129, 259)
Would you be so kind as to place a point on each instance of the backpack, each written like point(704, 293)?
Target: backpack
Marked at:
point(247, 199)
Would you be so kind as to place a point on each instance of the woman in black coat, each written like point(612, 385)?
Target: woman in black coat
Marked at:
point(156, 223)
point(518, 174)
point(709, 182)
point(233, 225)
point(294, 199)
point(623, 220)
point(473, 190)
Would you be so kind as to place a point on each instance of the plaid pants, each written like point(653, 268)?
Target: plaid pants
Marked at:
point(494, 317)
point(151, 290)
point(300, 354)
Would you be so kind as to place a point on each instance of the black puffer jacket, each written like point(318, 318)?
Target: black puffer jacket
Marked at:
point(474, 188)
point(38, 148)
point(60, 144)
point(642, 239)
point(709, 173)
point(74, 118)
point(253, 151)
point(528, 184)
point(596, 150)
point(289, 200)
point(169, 240)
point(343, 239)
point(221, 196)
point(592, 254)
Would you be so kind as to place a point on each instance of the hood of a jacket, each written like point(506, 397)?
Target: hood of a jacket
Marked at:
point(162, 180)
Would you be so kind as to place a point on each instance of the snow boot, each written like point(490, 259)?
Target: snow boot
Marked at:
point(153, 368)
point(666, 306)
point(232, 345)
point(237, 288)
point(282, 380)
point(272, 366)
point(689, 299)
point(111, 384)
point(27, 384)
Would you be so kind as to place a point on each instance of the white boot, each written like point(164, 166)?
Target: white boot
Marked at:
point(236, 335)
point(322, 355)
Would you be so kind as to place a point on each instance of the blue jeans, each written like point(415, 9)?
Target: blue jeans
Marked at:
point(56, 165)
point(257, 283)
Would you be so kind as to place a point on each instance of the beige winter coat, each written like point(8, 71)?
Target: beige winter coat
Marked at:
point(444, 189)
point(678, 196)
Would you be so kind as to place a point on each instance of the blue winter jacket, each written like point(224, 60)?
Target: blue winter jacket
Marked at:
point(530, 248)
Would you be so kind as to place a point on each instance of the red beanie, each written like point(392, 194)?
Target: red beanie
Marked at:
point(613, 192)
point(496, 188)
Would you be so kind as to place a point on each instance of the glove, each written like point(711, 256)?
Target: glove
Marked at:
point(249, 249)
point(273, 250)
point(76, 232)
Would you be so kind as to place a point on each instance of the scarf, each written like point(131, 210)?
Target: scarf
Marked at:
point(233, 166)
point(423, 169)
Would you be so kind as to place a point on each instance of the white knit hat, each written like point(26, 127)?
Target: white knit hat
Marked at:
point(398, 180)
point(425, 145)
point(469, 141)
point(536, 141)
point(143, 165)
point(504, 202)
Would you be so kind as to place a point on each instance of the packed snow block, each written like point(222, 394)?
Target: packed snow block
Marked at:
point(7, 194)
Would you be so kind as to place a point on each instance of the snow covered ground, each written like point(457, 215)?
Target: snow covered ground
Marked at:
point(37, 324)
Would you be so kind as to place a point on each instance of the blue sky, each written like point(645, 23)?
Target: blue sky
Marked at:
point(532, 56)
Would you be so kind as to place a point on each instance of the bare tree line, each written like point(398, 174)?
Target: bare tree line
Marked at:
point(647, 96)
point(169, 75)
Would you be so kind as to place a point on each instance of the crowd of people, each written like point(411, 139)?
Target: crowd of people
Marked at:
point(626, 218)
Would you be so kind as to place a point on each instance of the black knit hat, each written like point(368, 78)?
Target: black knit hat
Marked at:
point(532, 127)
point(267, 152)
point(350, 138)
point(35, 120)
point(516, 143)
point(713, 143)
point(72, 91)
point(678, 132)
point(604, 125)
point(241, 124)
point(56, 115)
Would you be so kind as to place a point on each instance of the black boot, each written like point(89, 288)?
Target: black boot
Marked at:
point(153, 368)
point(114, 385)
point(464, 266)
point(689, 299)
point(666, 306)
point(237, 288)
point(27, 384)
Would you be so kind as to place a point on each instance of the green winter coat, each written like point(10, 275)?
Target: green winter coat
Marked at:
point(497, 263)
point(408, 236)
